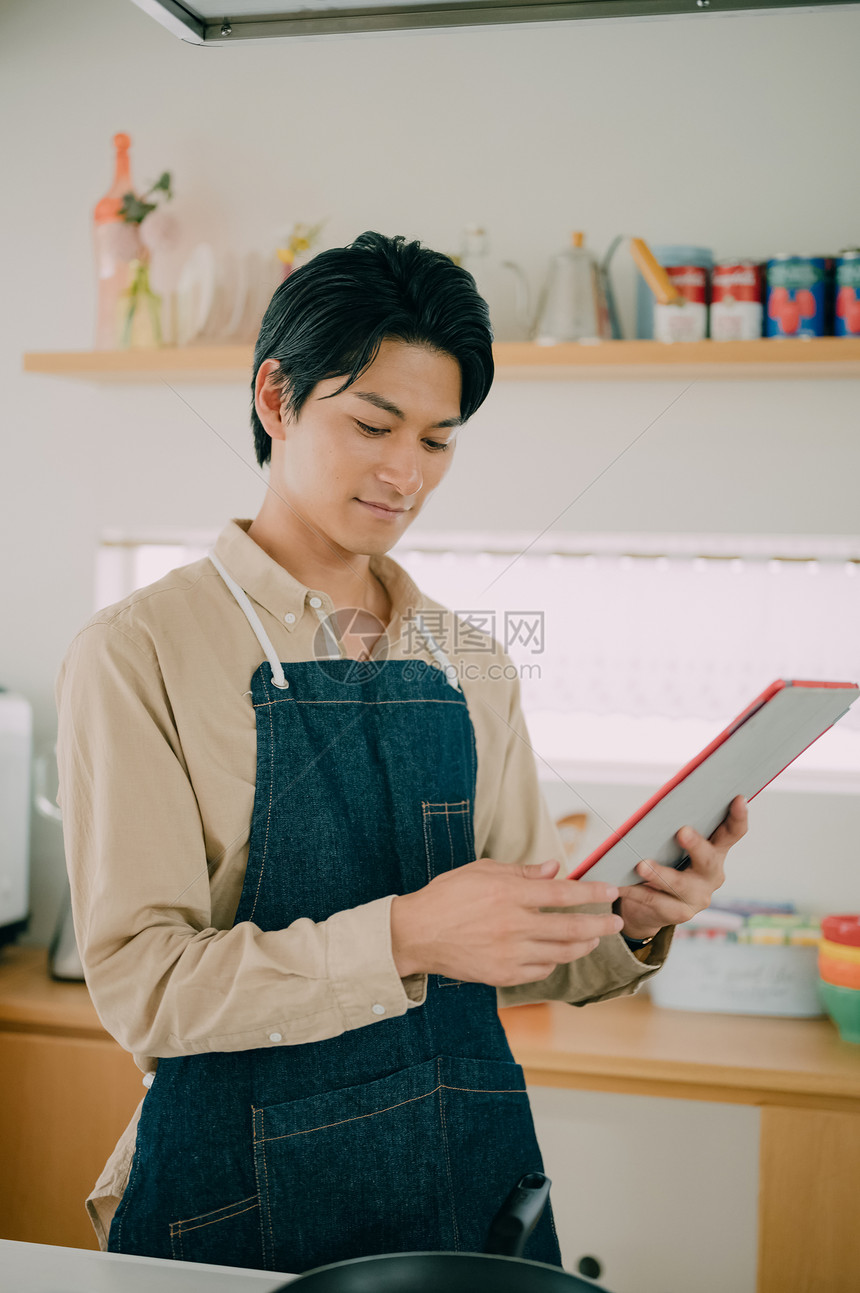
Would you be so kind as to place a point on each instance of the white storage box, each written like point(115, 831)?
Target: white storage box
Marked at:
point(714, 965)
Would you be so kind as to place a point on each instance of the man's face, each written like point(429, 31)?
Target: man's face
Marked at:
point(360, 466)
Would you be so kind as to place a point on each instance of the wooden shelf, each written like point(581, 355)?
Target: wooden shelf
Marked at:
point(821, 357)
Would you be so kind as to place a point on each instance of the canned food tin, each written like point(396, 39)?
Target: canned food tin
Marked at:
point(736, 300)
point(847, 310)
point(797, 296)
point(687, 321)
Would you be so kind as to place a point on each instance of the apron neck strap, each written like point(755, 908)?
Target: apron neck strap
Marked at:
point(278, 676)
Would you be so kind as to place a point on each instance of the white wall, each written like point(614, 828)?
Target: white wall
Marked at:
point(737, 132)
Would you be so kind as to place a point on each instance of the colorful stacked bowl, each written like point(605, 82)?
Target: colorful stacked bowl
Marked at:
point(839, 973)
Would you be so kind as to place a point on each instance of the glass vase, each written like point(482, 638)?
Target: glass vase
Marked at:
point(139, 316)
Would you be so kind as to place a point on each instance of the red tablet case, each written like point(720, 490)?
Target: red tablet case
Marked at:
point(759, 744)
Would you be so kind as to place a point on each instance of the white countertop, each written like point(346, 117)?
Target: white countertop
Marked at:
point(42, 1268)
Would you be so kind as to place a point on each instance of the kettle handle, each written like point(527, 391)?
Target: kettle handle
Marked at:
point(523, 296)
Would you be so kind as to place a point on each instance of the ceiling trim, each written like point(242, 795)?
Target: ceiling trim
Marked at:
point(188, 24)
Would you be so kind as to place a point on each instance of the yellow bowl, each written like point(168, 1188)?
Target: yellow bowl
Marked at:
point(839, 951)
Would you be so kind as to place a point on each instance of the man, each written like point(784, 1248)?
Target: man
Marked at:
point(301, 886)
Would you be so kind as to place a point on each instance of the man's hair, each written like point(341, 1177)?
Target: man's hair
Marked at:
point(329, 318)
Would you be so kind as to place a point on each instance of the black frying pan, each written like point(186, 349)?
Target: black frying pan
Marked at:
point(499, 1269)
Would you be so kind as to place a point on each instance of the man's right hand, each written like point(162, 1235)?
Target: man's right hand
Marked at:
point(484, 923)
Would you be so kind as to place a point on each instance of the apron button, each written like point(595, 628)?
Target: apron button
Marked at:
point(378, 1009)
point(275, 1037)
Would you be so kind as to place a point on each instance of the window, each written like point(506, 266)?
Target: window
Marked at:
point(633, 650)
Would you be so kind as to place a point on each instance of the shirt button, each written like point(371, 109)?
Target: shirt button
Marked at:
point(378, 1009)
point(148, 1079)
point(289, 618)
point(316, 601)
point(275, 1037)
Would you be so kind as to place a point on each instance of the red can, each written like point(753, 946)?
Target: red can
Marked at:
point(736, 300)
point(688, 320)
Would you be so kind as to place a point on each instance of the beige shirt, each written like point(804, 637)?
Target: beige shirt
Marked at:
point(157, 767)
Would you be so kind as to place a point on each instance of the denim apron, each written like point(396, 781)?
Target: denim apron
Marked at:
point(403, 1135)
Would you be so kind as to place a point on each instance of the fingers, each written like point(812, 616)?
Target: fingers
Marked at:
point(563, 954)
point(663, 879)
point(568, 893)
point(649, 906)
point(733, 826)
point(541, 870)
point(563, 928)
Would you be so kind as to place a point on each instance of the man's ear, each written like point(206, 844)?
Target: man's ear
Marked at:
point(269, 399)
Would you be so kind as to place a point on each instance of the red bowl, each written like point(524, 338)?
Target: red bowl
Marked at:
point(842, 929)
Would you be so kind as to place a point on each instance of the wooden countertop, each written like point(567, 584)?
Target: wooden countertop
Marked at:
point(630, 1045)
point(626, 1045)
point(31, 1001)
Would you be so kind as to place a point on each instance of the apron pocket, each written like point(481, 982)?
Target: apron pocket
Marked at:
point(449, 842)
point(418, 1161)
point(354, 1172)
point(221, 1236)
point(491, 1145)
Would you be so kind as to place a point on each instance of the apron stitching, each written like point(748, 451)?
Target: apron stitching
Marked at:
point(448, 1161)
point(327, 1126)
point(426, 700)
point(450, 841)
point(427, 849)
point(268, 817)
point(428, 810)
point(180, 1228)
point(262, 1142)
point(185, 1220)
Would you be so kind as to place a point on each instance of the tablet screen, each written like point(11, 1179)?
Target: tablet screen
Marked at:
point(745, 757)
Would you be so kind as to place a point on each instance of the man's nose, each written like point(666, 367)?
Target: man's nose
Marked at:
point(401, 468)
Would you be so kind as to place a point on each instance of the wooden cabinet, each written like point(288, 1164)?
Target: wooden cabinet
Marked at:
point(797, 1072)
point(67, 1090)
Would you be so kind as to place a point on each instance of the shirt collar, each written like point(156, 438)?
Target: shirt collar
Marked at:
point(284, 596)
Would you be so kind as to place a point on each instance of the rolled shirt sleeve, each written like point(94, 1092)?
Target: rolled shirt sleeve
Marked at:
point(164, 979)
point(522, 830)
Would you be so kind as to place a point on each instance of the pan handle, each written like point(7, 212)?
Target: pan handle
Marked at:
point(518, 1216)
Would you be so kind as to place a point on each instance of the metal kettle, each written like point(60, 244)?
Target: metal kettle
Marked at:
point(573, 302)
point(578, 303)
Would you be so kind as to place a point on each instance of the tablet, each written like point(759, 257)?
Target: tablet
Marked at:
point(759, 744)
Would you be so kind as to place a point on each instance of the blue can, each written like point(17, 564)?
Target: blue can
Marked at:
point(847, 311)
point(798, 296)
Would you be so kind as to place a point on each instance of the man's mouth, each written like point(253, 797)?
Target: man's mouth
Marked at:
point(380, 509)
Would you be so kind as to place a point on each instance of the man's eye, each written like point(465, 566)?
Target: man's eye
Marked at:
point(436, 446)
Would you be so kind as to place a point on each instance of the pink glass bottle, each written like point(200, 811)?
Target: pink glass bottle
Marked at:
point(116, 244)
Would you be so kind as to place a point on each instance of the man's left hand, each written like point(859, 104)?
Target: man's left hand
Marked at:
point(671, 897)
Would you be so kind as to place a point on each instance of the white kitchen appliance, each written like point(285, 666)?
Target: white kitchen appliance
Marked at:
point(16, 746)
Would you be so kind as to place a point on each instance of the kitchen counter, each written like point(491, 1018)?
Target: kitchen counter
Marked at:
point(797, 1071)
point(40, 1268)
point(630, 1045)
